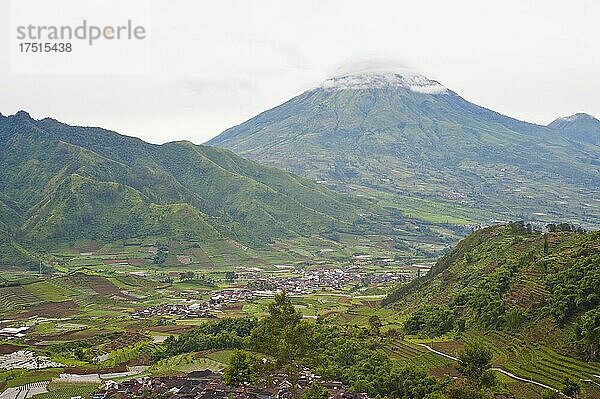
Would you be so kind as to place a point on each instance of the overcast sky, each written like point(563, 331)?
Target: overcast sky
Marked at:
point(214, 64)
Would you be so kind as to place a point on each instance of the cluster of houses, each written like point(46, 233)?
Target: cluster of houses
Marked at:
point(295, 282)
point(206, 384)
point(197, 309)
point(309, 281)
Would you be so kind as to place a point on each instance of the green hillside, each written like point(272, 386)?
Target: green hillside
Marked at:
point(535, 297)
point(390, 135)
point(60, 183)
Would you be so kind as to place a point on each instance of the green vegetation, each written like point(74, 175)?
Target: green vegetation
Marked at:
point(348, 355)
point(574, 287)
point(61, 183)
point(433, 320)
point(56, 391)
point(315, 391)
point(587, 332)
point(224, 334)
point(531, 297)
point(243, 368)
point(284, 335)
point(475, 363)
point(434, 157)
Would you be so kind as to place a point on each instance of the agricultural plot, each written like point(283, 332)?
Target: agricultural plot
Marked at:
point(21, 377)
point(50, 291)
point(62, 391)
point(546, 366)
point(11, 297)
point(521, 389)
point(25, 391)
point(221, 356)
point(182, 364)
point(538, 362)
point(127, 354)
point(409, 353)
point(24, 359)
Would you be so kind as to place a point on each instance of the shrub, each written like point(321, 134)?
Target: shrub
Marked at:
point(433, 320)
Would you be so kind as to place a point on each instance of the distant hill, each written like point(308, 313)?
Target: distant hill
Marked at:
point(408, 136)
point(59, 183)
point(579, 127)
point(540, 288)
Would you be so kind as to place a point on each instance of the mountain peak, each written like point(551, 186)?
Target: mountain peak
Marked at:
point(22, 115)
point(579, 120)
point(385, 80)
point(580, 127)
point(580, 116)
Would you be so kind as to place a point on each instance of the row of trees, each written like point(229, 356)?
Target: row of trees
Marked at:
point(285, 342)
point(224, 334)
point(352, 355)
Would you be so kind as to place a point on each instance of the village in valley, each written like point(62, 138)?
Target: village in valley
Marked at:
point(88, 326)
point(261, 286)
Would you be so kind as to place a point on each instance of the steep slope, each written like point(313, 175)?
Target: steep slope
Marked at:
point(540, 287)
point(107, 211)
point(406, 134)
point(60, 182)
point(579, 127)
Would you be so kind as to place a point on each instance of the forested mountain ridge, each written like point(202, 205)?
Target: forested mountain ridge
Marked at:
point(61, 182)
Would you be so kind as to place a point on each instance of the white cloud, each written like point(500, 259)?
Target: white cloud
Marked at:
point(217, 63)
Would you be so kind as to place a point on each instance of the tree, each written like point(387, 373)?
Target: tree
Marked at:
point(550, 394)
point(571, 387)
point(468, 258)
point(475, 363)
point(229, 276)
point(79, 353)
point(587, 331)
point(315, 391)
point(161, 255)
point(410, 383)
point(375, 323)
point(460, 390)
point(189, 276)
point(284, 335)
point(432, 320)
point(243, 369)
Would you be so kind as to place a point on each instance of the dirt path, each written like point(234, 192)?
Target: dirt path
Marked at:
point(499, 370)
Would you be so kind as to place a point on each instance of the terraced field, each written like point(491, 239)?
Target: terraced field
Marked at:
point(128, 354)
point(50, 291)
point(67, 391)
point(410, 353)
point(546, 366)
point(537, 362)
point(11, 297)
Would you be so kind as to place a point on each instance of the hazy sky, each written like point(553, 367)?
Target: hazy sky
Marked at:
point(214, 64)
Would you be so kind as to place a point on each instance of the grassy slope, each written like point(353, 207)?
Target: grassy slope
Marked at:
point(538, 346)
